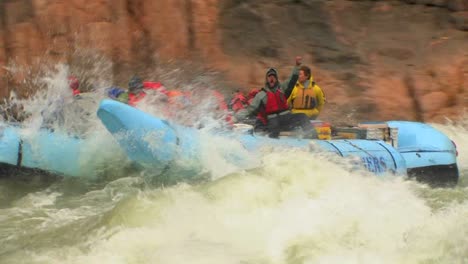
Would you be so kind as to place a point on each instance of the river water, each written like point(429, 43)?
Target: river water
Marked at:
point(297, 207)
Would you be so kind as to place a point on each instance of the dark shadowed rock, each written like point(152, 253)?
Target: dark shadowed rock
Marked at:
point(457, 5)
point(460, 19)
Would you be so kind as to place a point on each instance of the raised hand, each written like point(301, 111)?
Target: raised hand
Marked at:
point(298, 60)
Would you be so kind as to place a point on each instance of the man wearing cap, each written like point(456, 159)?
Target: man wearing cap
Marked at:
point(271, 103)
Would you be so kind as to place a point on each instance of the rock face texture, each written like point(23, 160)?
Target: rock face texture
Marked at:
point(374, 59)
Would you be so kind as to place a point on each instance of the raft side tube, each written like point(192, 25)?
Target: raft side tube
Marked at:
point(375, 155)
point(145, 139)
point(9, 145)
point(54, 152)
point(429, 154)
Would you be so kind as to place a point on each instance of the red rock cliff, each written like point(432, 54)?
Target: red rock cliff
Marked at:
point(374, 59)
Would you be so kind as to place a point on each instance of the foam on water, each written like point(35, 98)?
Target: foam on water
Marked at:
point(458, 133)
point(53, 107)
point(297, 208)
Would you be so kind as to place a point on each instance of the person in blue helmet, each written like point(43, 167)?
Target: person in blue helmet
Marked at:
point(134, 93)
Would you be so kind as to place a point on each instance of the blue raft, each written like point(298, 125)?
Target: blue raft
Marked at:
point(155, 144)
point(45, 150)
point(58, 152)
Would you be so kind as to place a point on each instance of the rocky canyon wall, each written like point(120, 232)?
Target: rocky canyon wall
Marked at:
point(374, 59)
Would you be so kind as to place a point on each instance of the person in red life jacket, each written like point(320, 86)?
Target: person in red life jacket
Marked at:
point(220, 101)
point(251, 94)
point(135, 90)
point(132, 96)
point(178, 98)
point(155, 93)
point(176, 101)
point(271, 103)
point(238, 101)
point(154, 86)
point(74, 84)
point(260, 120)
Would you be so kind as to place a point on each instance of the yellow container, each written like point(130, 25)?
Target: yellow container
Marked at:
point(351, 133)
point(323, 130)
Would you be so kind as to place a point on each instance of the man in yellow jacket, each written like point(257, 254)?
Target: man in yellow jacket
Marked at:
point(306, 96)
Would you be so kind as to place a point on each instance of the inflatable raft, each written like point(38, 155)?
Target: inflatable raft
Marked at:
point(399, 147)
point(45, 150)
point(58, 152)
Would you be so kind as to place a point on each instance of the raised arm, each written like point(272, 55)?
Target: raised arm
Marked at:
point(288, 85)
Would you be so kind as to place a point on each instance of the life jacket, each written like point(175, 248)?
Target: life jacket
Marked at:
point(155, 86)
point(152, 85)
point(174, 95)
point(305, 97)
point(133, 99)
point(179, 99)
point(276, 102)
point(238, 102)
point(220, 100)
point(252, 94)
point(261, 115)
point(74, 84)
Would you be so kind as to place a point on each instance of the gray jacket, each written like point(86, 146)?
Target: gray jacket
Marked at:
point(260, 99)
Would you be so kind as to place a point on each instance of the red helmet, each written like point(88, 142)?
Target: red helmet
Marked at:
point(73, 82)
